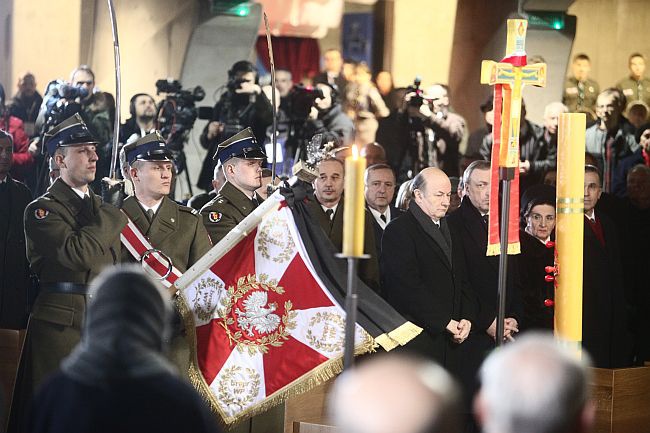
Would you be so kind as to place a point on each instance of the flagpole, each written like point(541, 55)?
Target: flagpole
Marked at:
point(506, 175)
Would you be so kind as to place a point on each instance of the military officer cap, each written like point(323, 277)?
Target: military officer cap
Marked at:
point(71, 132)
point(151, 147)
point(241, 145)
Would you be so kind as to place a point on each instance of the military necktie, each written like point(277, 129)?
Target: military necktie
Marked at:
point(255, 202)
point(87, 202)
point(150, 214)
point(383, 217)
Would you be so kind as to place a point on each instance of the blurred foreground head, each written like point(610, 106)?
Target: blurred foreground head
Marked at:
point(534, 386)
point(395, 394)
point(125, 332)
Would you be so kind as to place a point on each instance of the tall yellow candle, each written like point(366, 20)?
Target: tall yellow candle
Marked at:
point(354, 205)
point(569, 228)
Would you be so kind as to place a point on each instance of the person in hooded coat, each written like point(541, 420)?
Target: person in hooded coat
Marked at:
point(118, 379)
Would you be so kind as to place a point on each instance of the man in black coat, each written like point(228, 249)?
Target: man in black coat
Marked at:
point(14, 267)
point(424, 273)
point(470, 221)
point(379, 192)
point(327, 211)
point(605, 333)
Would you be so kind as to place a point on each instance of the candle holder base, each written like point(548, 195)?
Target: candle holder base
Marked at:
point(350, 308)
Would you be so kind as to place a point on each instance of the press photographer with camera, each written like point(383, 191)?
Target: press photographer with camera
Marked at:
point(317, 110)
point(242, 105)
point(439, 131)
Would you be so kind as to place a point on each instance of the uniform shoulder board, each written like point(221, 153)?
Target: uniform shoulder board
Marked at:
point(188, 209)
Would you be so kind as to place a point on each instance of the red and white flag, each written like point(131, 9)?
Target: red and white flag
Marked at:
point(265, 325)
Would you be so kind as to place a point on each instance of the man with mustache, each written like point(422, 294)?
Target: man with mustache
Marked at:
point(71, 236)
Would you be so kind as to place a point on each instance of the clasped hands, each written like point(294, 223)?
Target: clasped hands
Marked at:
point(510, 328)
point(459, 329)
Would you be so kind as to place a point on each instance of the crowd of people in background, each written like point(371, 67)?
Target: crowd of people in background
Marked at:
point(427, 191)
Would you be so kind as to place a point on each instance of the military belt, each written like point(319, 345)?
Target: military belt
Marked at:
point(64, 288)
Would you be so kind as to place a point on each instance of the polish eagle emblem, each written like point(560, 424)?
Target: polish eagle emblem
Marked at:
point(257, 316)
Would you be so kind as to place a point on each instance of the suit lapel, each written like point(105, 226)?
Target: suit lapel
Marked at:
point(434, 235)
point(474, 225)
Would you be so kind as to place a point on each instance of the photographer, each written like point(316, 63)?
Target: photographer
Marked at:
point(442, 131)
point(242, 105)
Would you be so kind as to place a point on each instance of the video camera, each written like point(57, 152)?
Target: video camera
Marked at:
point(59, 103)
point(418, 99)
point(177, 114)
point(301, 99)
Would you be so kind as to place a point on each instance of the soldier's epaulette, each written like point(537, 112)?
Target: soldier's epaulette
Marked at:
point(188, 209)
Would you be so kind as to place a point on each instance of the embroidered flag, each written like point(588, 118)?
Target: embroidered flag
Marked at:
point(267, 324)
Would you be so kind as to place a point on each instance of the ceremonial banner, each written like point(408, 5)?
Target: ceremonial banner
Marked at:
point(508, 78)
point(265, 312)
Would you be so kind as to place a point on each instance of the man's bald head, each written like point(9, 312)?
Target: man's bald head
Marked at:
point(432, 192)
point(395, 394)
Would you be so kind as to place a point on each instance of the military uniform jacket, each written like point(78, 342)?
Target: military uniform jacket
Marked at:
point(68, 241)
point(175, 230)
point(580, 97)
point(14, 268)
point(226, 210)
point(635, 90)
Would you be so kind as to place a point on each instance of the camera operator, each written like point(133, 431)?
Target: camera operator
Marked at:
point(442, 131)
point(142, 107)
point(95, 110)
point(242, 105)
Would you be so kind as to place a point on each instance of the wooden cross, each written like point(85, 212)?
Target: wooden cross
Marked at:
point(513, 78)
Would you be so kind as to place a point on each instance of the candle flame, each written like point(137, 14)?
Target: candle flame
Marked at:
point(355, 152)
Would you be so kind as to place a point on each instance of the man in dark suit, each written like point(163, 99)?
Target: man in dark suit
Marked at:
point(332, 74)
point(328, 212)
point(379, 192)
point(424, 273)
point(605, 333)
point(14, 267)
point(470, 221)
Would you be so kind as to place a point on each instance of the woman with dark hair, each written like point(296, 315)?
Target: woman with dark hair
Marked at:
point(538, 205)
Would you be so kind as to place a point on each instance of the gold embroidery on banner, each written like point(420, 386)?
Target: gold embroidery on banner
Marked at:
point(203, 298)
point(255, 326)
point(237, 389)
point(275, 233)
point(330, 328)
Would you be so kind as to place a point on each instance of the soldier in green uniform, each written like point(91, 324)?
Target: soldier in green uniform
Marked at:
point(241, 159)
point(636, 87)
point(71, 235)
point(580, 91)
point(175, 230)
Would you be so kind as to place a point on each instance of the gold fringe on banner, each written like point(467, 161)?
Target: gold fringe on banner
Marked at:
point(514, 248)
point(405, 333)
point(321, 374)
point(493, 250)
